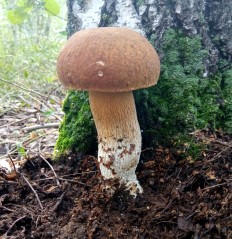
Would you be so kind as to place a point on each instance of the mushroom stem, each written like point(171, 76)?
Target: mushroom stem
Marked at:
point(119, 136)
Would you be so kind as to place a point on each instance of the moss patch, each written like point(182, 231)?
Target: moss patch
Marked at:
point(77, 131)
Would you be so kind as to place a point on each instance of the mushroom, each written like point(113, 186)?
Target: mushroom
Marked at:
point(109, 63)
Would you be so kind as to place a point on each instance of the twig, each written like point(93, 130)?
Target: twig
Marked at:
point(50, 93)
point(8, 182)
point(13, 165)
point(25, 89)
point(216, 185)
point(168, 205)
point(17, 121)
point(192, 214)
point(7, 209)
point(41, 126)
point(33, 190)
point(75, 174)
point(220, 153)
point(64, 179)
point(57, 181)
point(44, 103)
point(26, 142)
point(67, 175)
point(59, 202)
point(10, 228)
point(56, 15)
point(221, 142)
point(73, 181)
point(39, 109)
point(31, 91)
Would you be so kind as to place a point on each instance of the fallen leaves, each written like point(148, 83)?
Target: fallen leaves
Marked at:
point(21, 143)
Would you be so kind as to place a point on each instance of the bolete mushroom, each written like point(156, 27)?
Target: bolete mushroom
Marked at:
point(109, 63)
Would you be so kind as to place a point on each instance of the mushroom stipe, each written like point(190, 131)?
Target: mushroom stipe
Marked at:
point(110, 62)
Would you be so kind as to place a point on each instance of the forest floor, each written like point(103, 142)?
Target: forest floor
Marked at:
point(67, 199)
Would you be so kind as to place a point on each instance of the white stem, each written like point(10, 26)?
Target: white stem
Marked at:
point(119, 136)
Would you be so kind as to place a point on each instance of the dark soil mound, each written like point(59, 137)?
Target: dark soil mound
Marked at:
point(181, 199)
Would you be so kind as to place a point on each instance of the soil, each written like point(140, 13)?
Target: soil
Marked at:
point(181, 199)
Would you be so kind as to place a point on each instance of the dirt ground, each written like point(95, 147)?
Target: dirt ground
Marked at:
point(181, 199)
point(68, 199)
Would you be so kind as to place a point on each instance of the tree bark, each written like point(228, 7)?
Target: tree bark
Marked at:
point(209, 19)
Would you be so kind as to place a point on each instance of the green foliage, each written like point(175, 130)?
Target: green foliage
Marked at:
point(21, 150)
point(77, 132)
point(52, 7)
point(17, 16)
point(28, 49)
point(226, 105)
point(20, 12)
point(29, 62)
point(23, 9)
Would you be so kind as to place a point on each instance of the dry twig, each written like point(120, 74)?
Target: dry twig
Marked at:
point(7, 209)
point(10, 228)
point(60, 199)
point(15, 122)
point(229, 146)
point(31, 91)
point(13, 164)
point(216, 185)
point(25, 89)
point(28, 141)
point(73, 181)
point(41, 126)
point(64, 179)
point(50, 166)
point(33, 190)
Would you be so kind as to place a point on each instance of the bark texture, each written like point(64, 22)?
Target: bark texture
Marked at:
point(209, 19)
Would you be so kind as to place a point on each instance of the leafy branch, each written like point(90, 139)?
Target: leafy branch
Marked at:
point(24, 8)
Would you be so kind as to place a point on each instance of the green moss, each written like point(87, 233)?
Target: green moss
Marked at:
point(226, 101)
point(183, 101)
point(180, 103)
point(77, 131)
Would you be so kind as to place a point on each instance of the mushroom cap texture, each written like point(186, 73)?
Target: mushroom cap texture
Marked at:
point(109, 59)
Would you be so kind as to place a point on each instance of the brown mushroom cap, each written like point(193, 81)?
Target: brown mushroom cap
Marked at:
point(108, 59)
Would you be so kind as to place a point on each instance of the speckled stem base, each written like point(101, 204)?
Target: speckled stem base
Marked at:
point(119, 136)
